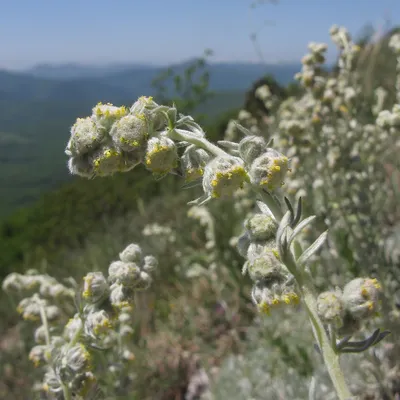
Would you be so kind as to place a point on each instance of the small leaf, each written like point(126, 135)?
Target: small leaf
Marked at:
point(192, 184)
point(299, 211)
point(264, 209)
point(228, 145)
point(290, 208)
point(242, 129)
point(300, 227)
point(200, 201)
point(312, 249)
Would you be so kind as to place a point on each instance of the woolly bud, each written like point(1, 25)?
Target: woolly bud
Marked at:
point(124, 273)
point(161, 155)
point(330, 308)
point(267, 296)
point(132, 253)
point(107, 161)
point(85, 137)
point(39, 355)
point(361, 297)
point(223, 176)
point(104, 115)
point(269, 170)
point(251, 147)
point(261, 227)
point(81, 165)
point(97, 324)
point(72, 328)
point(95, 287)
point(30, 308)
point(77, 358)
point(40, 335)
point(148, 107)
point(267, 267)
point(150, 264)
point(144, 281)
point(193, 161)
point(52, 313)
point(130, 133)
point(121, 296)
point(13, 283)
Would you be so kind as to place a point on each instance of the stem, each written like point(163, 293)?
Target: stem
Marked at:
point(331, 359)
point(186, 136)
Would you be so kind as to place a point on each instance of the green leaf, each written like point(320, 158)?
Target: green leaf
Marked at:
point(312, 249)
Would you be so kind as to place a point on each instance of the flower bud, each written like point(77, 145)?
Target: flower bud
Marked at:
point(130, 133)
point(269, 169)
point(13, 283)
point(107, 161)
point(148, 107)
point(40, 335)
point(81, 165)
point(223, 176)
point(267, 267)
point(267, 296)
point(77, 358)
point(95, 287)
point(124, 273)
point(193, 161)
point(104, 116)
point(361, 297)
point(30, 308)
point(97, 324)
point(330, 308)
point(85, 137)
point(132, 253)
point(39, 355)
point(251, 147)
point(121, 296)
point(150, 264)
point(261, 227)
point(73, 326)
point(161, 155)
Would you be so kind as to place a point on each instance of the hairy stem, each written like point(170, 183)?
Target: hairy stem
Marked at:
point(331, 359)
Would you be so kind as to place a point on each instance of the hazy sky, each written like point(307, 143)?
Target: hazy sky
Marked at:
point(165, 31)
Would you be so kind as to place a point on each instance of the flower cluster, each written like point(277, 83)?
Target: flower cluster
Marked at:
point(102, 320)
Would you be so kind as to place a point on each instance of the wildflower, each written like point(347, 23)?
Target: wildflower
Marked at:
point(161, 155)
point(97, 324)
point(269, 170)
point(104, 115)
point(85, 137)
point(130, 133)
point(124, 273)
point(106, 161)
point(39, 355)
point(77, 358)
point(81, 165)
point(330, 307)
point(73, 327)
point(132, 253)
point(224, 175)
point(95, 287)
point(361, 297)
point(260, 227)
point(193, 162)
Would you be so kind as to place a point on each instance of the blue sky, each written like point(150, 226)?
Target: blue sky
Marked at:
point(167, 31)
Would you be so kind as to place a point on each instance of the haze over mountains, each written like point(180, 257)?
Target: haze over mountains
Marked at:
point(38, 106)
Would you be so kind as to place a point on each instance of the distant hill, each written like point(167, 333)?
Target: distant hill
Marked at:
point(237, 75)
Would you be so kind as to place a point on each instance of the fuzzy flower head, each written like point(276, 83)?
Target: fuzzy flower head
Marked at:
point(193, 162)
point(77, 358)
point(85, 137)
point(73, 326)
point(121, 296)
point(104, 115)
point(130, 133)
point(267, 266)
point(98, 324)
point(268, 297)
point(261, 227)
point(82, 166)
point(95, 287)
point(223, 176)
point(124, 273)
point(269, 170)
point(39, 355)
point(148, 107)
point(361, 297)
point(330, 308)
point(161, 155)
point(132, 253)
point(107, 161)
